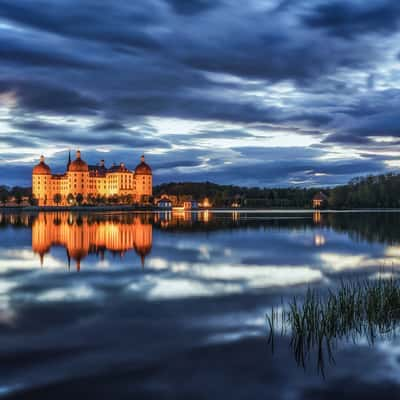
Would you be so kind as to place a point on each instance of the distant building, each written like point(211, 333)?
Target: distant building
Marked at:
point(190, 205)
point(320, 200)
point(174, 199)
point(206, 203)
point(164, 203)
point(82, 181)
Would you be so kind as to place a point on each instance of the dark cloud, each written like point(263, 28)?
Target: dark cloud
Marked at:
point(274, 56)
point(177, 164)
point(102, 138)
point(383, 124)
point(87, 20)
point(38, 96)
point(34, 133)
point(109, 126)
point(35, 125)
point(210, 134)
point(195, 107)
point(192, 7)
point(16, 53)
point(347, 19)
point(343, 139)
point(17, 139)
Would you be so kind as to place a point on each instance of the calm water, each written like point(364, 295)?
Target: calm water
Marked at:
point(172, 306)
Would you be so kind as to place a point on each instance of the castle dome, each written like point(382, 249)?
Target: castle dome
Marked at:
point(78, 165)
point(42, 168)
point(143, 168)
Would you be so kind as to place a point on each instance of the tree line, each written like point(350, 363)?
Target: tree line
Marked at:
point(380, 191)
point(226, 195)
point(16, 193)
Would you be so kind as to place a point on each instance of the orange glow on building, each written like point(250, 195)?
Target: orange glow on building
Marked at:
point(320, 200)
point(206, 203)
point(82, 235)
point(82, 183)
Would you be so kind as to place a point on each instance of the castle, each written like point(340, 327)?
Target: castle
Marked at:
point(83, 183)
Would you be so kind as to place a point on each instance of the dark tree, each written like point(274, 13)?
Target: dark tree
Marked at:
point(91, 199)
point(33, 200)
point(79, 198)
point(57, 198)
point(4, 198)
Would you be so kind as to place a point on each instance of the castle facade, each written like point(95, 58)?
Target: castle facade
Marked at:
point(83, 183)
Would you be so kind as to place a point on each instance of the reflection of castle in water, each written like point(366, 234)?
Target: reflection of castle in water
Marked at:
point(84, 234)
point(119, 232)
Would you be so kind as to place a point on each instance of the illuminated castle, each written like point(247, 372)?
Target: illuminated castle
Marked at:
point(82, 182)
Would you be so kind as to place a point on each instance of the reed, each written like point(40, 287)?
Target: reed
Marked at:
point(367, 308)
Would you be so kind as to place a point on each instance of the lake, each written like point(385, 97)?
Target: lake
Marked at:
point(173, 306)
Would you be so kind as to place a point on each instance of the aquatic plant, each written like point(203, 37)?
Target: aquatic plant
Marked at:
point(356, 309)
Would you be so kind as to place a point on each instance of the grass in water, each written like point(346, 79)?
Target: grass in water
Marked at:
point(357, 309)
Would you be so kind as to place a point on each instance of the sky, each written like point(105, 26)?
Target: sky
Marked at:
point(256, 93)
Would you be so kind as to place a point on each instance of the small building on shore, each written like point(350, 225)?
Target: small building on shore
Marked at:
point(164, 203)
point(190, 205)
point(320, 200)
point(205, 203)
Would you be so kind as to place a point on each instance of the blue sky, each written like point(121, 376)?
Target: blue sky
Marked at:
point(268, 93)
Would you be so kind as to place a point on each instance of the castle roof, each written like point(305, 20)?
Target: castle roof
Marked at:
point(143, 168)
point(42, 168)
point(118, 168)
point(97, 170)
point(78, 165)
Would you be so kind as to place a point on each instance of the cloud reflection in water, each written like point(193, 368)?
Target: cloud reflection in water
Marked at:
point(195, 312)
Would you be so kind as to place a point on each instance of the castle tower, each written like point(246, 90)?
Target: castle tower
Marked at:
point(143, 181)
point(41, 175)
point(78, 177)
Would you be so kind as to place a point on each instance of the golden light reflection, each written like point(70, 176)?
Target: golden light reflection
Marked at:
point(319, 240)
point(235, 216)
point(317, 219)
point(181, 217)
point(82, 235)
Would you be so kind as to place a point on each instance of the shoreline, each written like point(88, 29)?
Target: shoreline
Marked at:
point(130, 208)
point(77, 208)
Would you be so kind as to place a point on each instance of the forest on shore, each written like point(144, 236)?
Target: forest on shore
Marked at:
point(380, 191)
